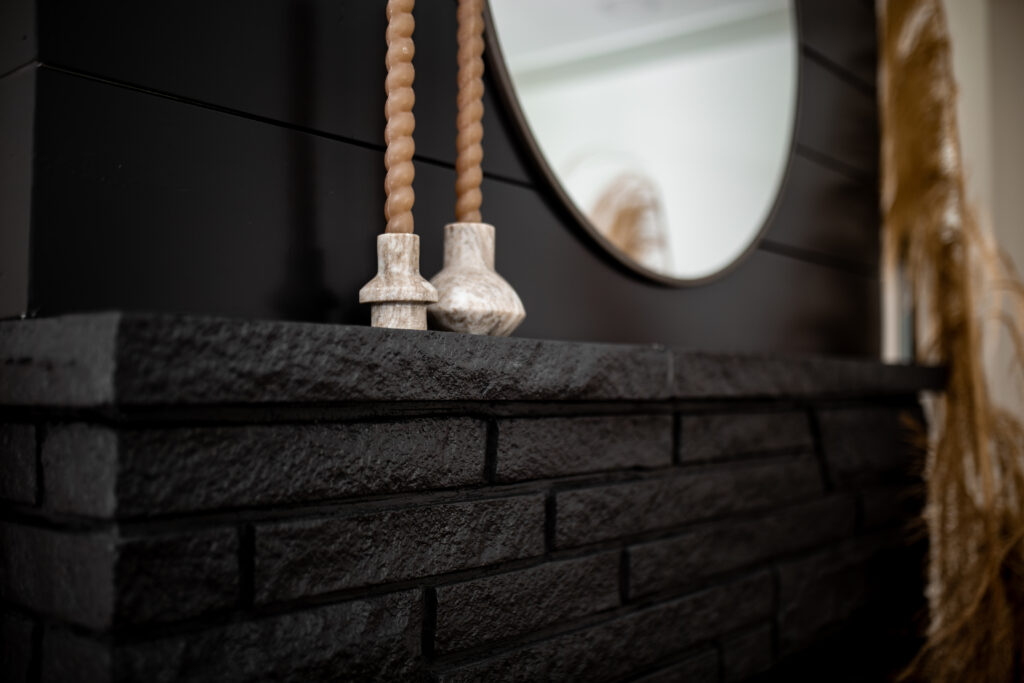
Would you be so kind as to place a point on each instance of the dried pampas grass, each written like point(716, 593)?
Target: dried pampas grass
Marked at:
point(975, 469)
point(629, 213)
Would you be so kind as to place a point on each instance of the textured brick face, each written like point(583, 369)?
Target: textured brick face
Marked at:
point(556, 446)
point(861, 445)
point(206, 468)
point(747, 654)
point(80, 469)
point(309, 557)
point(700, 668)
point(497, 607)
point(15, 648)
point(372, 639)
point(60, 574)
point(92, 470)
point(101, 581)
point(301, 503)
point(176, 576)
point(18, 463)
point(613, 649)
point(606, 512)
point(719, 436)
point(721, 547)
point(892, 505)
point(824, 589)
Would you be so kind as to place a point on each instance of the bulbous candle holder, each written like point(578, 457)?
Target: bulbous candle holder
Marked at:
point(399, 294)
point(472, 297)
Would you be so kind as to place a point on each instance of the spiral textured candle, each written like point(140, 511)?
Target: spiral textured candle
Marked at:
point(400, 120)
point(399, 295)
point(471, 111)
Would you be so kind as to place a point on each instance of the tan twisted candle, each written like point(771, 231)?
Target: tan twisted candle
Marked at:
point(471, 111)
point(400, 120)
point(398, 294)
point(472, 297)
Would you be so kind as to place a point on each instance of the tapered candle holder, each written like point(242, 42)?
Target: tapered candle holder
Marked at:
point(398, 294)
point(472, 297)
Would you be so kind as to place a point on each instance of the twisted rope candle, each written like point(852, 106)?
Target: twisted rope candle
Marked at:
point(471, 111)
point(400, 120)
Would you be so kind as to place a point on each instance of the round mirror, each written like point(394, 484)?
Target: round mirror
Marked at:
point(665, 124)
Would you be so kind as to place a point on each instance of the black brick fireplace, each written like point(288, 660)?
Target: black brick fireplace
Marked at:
point(212, 483)
point(201, 499)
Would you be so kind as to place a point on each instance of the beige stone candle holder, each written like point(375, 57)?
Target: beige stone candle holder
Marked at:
point(398, 294)
point(472, 297)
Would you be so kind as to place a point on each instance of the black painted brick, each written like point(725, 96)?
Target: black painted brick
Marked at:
point(165, 359)
point(717, 436)
point(80, 470)
point(519, 602)
point(893, 506)
point(72, 658)
point(308, 557)
point(372, 639)
point(176, 576)
point(61, 574)
point(100, 581)
point(864, 445)
point(613, 649)
point(67, 361)
point(725, 546)
point(710, 374)
point(18, 462)
point(93, 471)
point(15, 647)
point(824, 589)
point(747, 654)
point(606, 512)
point(701, 668)
point(556, 446)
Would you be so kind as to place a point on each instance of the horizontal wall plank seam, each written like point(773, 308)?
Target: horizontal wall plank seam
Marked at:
point(833, 164)
point(820, 258)
point(356, 142)
point(32, 63)
point(839, 71)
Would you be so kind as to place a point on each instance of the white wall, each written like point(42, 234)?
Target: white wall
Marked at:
point(988, 61)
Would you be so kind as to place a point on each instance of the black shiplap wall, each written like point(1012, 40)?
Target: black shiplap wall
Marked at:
point(225, 158)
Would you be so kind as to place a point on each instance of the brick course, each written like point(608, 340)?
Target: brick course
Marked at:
point(720, 436)
point(161, 471)
point(259, 510)
point(607, 512)
point(868, 444)
point(721, 547)
point(309, 557)
point(612, 649)
point(18, 463)
point(497, 607)
point(15, 648)
point(558, 446)
point(747, 654)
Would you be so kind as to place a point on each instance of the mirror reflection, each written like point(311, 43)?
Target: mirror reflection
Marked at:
point(667, 123)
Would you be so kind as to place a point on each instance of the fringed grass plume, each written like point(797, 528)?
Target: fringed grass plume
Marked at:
point(975, 467)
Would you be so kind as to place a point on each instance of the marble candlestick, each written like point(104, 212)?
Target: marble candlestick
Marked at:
point(473, 298)
point(399, 294)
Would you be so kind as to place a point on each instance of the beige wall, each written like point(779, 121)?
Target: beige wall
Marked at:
point(988, 60)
